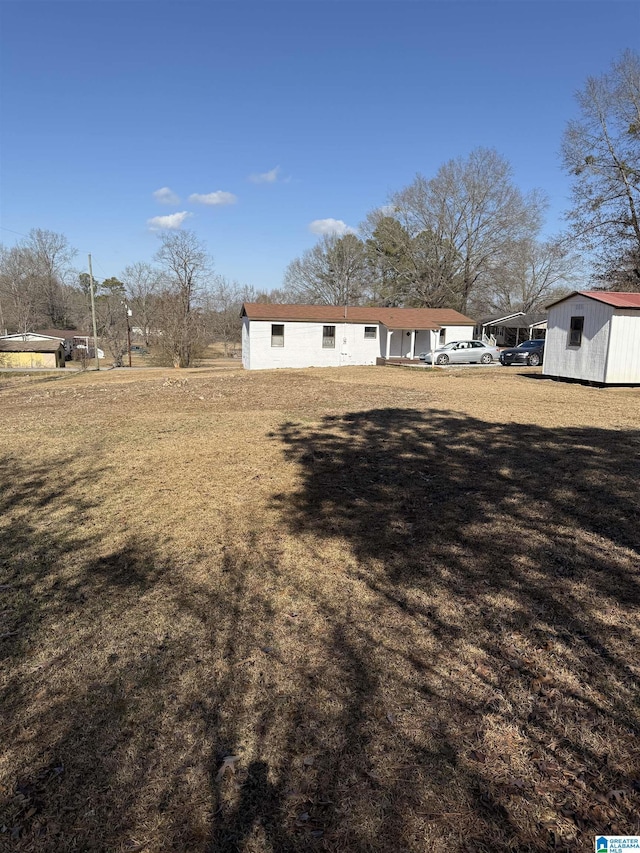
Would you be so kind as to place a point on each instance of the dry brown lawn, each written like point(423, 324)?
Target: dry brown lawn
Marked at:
point(361, 609)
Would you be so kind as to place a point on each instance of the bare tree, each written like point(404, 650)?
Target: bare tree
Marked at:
point(186, 270)
point(333, 272)
point(472, 207)
point(35, 277)
point(142, 283)
point(622, 273)
point(531, 274)
point(224, 304)
point(18, 290)
point(277, 296)
point(601, 150)
point(111, 310)
point(51, 258)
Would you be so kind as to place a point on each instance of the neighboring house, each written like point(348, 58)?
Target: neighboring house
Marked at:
point(334, 336)
point(72, 341)
point(39, 353)
point(511, 329)
point(594, 336)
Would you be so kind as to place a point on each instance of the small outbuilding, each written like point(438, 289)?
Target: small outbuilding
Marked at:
point(594, 336)
point(29, 354)
point(76, 345)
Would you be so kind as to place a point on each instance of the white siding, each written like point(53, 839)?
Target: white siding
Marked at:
point(588, 361)
point(246, 343)
point(303, 345)
point(382, 333)
point(623, 364)
point(457, 333)
point(423, 342)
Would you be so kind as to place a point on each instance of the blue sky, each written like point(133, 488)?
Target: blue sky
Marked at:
point(105, 103)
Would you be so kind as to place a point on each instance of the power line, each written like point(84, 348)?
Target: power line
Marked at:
point(19, 233)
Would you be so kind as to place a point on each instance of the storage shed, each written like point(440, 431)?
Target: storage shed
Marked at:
point(21, 353)
point(594, 336)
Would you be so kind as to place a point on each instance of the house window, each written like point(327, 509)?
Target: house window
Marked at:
point(328, 337)
point(575, 331)
point(443, 335)
point(371, 332)
point(277, 334)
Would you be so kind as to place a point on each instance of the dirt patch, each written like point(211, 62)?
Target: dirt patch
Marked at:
point(362, 609)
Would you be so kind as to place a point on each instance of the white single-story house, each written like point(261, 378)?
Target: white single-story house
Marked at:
point(594, 336)
point(334, 336)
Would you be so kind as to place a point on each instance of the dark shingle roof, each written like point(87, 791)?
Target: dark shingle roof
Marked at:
point(65, 334)
point(29, 346)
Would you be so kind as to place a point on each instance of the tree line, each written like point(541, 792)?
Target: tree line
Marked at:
point(466, 238)
point(177, 303)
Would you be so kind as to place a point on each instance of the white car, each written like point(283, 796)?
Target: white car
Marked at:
point(462, 352)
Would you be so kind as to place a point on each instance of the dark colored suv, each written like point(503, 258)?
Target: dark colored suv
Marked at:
point(528, 352)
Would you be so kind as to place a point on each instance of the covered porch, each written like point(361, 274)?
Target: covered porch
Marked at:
point(406, 344)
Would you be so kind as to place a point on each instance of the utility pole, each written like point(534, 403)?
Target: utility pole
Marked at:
point(93, 316)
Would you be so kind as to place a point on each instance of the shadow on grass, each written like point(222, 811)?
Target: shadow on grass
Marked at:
point(505, 559)
point(435, 649)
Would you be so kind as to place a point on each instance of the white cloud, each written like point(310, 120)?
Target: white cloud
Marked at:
point(330, 226)
point(270, 177)
point(217, 198)
point(166, 196)
point(172, 221)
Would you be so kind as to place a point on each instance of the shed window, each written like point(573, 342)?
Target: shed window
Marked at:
point(575, 331)
point(328, 337)
point(371, 332)
point(277, 334)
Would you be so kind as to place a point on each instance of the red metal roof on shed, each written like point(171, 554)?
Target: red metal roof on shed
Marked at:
point(392, 318)
point(618, 299)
